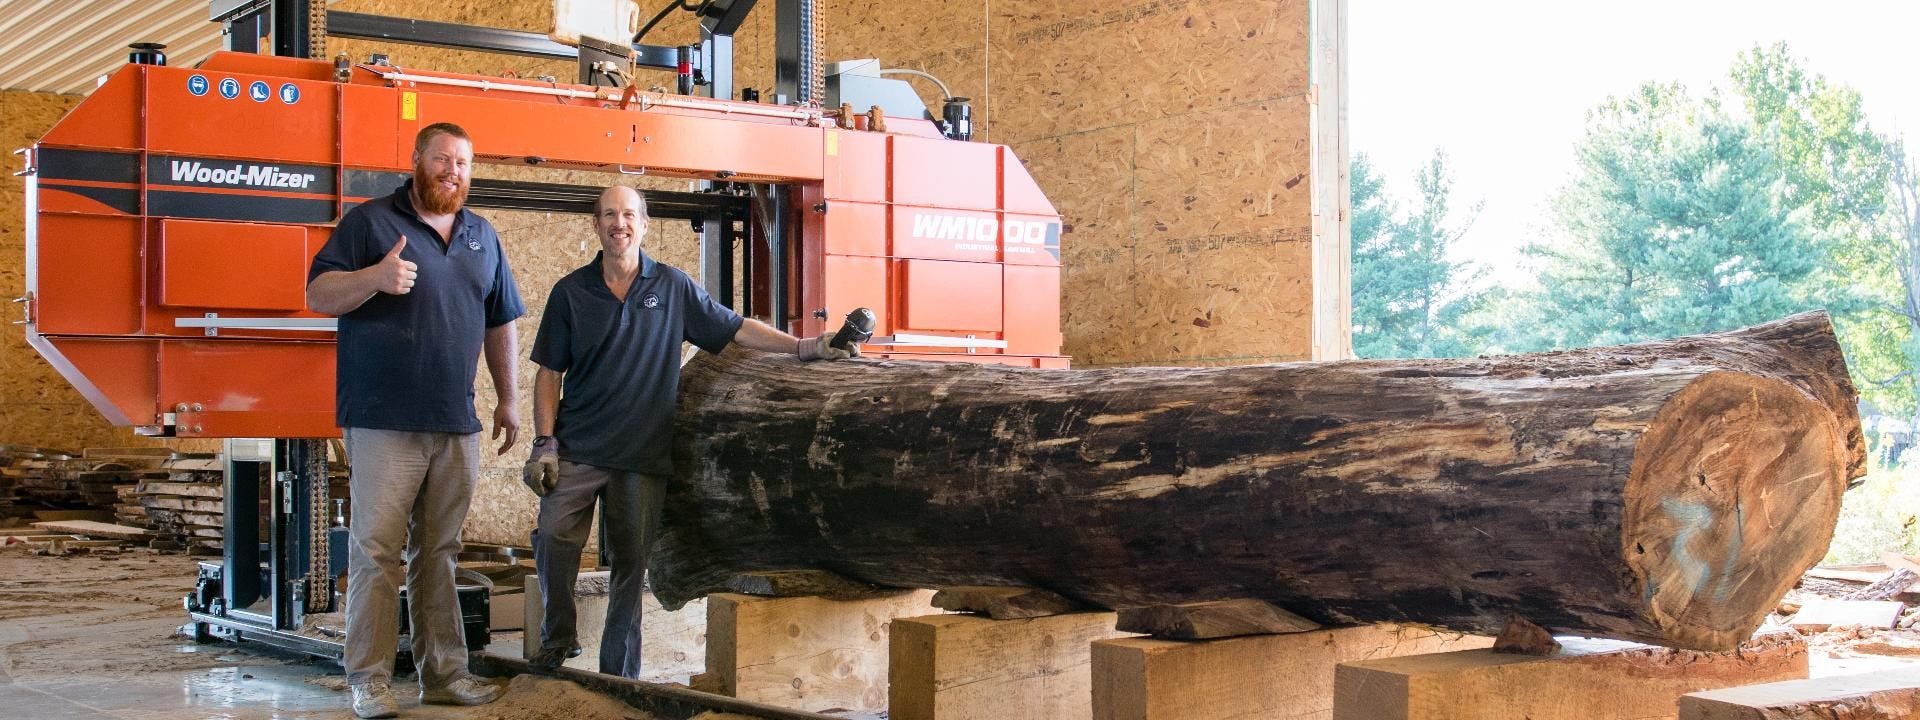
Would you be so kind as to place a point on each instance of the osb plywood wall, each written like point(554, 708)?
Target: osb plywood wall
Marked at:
point(1172, 136)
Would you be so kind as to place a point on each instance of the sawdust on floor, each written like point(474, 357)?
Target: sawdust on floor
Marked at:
point(532, 697)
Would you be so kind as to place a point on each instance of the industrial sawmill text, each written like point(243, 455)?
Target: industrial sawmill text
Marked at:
point(240, 174)
point(934, 226)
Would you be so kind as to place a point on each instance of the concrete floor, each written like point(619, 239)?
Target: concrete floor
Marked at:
point(94, 637)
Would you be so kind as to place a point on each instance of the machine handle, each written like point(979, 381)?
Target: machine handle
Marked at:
point(857, 329)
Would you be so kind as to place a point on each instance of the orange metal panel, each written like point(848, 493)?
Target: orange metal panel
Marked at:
point(259, 122)
point(941, 295)
point(856, 228)
point(370, 128)
point(248, 266)
point(320, 70)
point(943, 173)
point(1019, 193)
point(106, 120)
point(88, 275)
point(855, 282)
point(117, 376)
point(856, 165)
point(657, 141)
point(936, 233)
point(1033, 310)
point(268, 379)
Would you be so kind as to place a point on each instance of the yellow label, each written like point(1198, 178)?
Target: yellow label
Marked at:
point(833, 143)
point(408, 106)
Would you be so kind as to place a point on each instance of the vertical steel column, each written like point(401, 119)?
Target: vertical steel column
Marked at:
point(796, 67)
point(291, 32)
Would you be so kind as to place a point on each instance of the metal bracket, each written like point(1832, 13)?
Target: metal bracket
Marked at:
point(28, 166)
point(26, 309)
point(212, 322)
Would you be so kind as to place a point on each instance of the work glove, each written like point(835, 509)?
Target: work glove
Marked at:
point(821, 348)
point(542, 470)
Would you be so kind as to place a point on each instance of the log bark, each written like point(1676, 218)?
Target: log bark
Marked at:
point(1665, 492)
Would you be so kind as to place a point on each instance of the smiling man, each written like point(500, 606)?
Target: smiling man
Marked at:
point(609, 357)
point(421, 285)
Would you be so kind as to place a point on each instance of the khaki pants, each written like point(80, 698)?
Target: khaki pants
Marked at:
point(410, 492)
point(630, 505)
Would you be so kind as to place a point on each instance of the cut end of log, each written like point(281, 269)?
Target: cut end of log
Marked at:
point(1734, 492)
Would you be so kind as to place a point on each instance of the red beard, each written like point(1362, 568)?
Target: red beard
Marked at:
point(435, 200)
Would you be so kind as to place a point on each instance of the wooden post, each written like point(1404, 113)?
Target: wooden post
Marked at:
point(1883, 695)
point(806, 653)
point(1277, 676)
point(1586, 680)
point(958, 667)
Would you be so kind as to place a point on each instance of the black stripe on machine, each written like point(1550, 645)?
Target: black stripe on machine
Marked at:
point(221, 206)
point(91, 165)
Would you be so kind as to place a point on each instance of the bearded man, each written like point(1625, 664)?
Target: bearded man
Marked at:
point(421, 286)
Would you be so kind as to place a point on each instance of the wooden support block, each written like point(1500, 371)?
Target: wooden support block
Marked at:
point(1883, 695)
point(1003, 603)
point(1257, 676)
point(807, 653)
point(806, 583)
point(1820, 613)
point(1586, 680)
point(953, 667)
point(1210, 620)
point(672, 644)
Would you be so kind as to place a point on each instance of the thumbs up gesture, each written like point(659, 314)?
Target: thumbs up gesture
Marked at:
point(393, 275)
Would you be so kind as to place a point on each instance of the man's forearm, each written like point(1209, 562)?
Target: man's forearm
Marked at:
point(338, 292)
point(763, 337)
point(503, 355)
point(546, 401)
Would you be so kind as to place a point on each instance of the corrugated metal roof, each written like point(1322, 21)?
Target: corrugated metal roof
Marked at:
point(64, 46)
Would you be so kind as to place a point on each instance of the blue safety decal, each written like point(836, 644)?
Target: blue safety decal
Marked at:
point(197, 85)
point(259, 91)
point(289, 94)
point(229, 88)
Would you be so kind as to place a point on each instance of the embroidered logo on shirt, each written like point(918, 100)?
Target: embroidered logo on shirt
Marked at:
point(473, 243)
point(650, 300)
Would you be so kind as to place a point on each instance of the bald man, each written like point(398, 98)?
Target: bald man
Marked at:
point(603, 400)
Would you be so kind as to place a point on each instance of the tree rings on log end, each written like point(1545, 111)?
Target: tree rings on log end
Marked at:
point(1734, 492)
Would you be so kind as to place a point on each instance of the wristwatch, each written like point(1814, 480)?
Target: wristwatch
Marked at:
point(543, 441)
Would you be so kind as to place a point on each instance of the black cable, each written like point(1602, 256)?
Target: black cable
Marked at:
point(671, 6)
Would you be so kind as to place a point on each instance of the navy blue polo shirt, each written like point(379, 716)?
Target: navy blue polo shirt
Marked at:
point(406, 362)
point(621, 361)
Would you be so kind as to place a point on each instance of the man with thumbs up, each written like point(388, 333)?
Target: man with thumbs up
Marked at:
point(421, 287)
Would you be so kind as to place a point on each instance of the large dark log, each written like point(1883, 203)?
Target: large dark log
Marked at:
point(1665, 492)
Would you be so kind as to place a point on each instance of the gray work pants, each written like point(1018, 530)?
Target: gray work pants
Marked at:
point(410, 490)
point(630, 507)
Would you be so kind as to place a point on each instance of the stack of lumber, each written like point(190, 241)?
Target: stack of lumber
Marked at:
point(33, 479)
point(183, 504)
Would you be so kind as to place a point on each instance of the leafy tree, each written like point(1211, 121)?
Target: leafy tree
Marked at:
point(1409, 299)
point(1847, 179)
point(1676, 223)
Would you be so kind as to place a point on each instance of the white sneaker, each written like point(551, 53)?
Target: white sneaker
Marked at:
point(464, 691)
point(375, 700)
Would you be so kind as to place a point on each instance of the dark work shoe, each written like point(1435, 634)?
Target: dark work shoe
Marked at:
point(548, 659)
point(575, 652)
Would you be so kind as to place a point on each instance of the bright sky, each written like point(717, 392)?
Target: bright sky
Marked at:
point(1503, 86)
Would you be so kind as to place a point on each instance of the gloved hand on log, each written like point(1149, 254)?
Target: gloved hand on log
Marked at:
point(821, 348)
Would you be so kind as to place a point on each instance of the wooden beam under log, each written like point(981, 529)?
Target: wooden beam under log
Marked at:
point(1665, 492)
